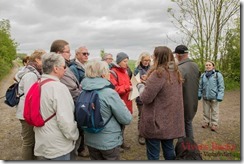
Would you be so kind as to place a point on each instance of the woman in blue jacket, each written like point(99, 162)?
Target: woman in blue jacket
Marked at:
point(211, 89)
point(105, 145)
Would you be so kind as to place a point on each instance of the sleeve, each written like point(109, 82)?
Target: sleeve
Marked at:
point(28, 80)
point(65, 113)
point(71, 83)
point(200, 87)
point(220, 86)
point(136, 71)
point(120, 88)
point(75, 72)
point(153, 86)
point(119, 109)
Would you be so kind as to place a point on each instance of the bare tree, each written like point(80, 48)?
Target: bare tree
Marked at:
point(203, 23)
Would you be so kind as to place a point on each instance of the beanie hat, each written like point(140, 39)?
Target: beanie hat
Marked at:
point(121, 56)
point(181, 49)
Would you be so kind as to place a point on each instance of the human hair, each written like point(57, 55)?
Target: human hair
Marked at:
point(141, 58)
point(37, 54)
point(210, 61)
point(163, 56)
point(95, 68)
point(106, 55)
point(49, 60)
point(58, 46)
point(78, 50)
point(25, 60)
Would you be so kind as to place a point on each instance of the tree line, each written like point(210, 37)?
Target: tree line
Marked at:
point(210, 29)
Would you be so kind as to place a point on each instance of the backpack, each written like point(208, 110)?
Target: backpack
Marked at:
point(12, 95)
point(32, 112)
point(87, 112)
point(187, 149)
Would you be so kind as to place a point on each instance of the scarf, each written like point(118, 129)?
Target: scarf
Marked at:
point(209, 73)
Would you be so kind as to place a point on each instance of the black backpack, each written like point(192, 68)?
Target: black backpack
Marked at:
point(87, 112)
point(12, 95)
point(187, 149)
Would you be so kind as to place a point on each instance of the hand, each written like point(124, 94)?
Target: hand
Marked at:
point(143, 77)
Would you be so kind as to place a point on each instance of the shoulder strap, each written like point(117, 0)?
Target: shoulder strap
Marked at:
point(111, 111)
point(42, 83)
point(45, 81)
point(114, 74)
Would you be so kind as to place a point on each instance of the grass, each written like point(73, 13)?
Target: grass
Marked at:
point(131, 64)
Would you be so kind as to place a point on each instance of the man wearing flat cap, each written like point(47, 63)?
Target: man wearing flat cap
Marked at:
point(190, 73)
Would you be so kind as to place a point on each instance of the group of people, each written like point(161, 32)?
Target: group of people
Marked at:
point(170, 87)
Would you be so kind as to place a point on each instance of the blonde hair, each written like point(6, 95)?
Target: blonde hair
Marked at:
point(37, 54)
point(95, 68)
point(141, 57)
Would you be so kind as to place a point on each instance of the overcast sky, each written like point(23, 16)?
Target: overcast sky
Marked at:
point(127, 25)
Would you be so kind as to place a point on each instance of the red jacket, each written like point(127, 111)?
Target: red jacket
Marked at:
point(122, 85)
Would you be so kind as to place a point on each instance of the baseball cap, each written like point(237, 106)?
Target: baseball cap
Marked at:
point(181, 49)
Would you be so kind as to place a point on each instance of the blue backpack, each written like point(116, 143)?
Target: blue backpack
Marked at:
point(87, 112)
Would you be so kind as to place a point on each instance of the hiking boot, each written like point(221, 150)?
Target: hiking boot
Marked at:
point(141, 140)
point(205, 125)
point(214, 128)
point(125, 146)
point(84, 153)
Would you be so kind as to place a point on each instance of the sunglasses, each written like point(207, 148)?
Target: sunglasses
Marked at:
point(85, 53)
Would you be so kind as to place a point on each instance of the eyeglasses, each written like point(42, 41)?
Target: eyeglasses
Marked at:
point(109, 58)
point(85, 53)
point(147, 60)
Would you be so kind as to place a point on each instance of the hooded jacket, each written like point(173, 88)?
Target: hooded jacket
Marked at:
point(111, 104)
point(122, 84)
point(211, 88)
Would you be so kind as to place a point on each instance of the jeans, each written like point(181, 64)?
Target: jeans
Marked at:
point(65, 157)
point(189, 129)
point(153, 149)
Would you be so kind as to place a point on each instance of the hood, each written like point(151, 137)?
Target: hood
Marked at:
point(95, 83)
point(25, 70)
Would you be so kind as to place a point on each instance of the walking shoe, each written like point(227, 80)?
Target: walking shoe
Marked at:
point(141, 140)
point(84, 153)
point(121, 150)
point(214, 128)
point(205, 125)
point(125, 146)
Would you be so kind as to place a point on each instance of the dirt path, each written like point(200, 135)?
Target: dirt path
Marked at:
point(223, 145)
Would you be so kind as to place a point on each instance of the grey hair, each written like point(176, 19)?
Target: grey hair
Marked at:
point(95, 68)
point(79, 49)
point(49, 60)
point(105, 56)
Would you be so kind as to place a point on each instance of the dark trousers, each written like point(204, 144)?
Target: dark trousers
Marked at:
point(112, 154)
point(82, 142)
point(153, 149)
point(189, 129)
point(139, 107)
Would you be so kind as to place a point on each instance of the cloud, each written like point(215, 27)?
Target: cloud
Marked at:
point(129, 26)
